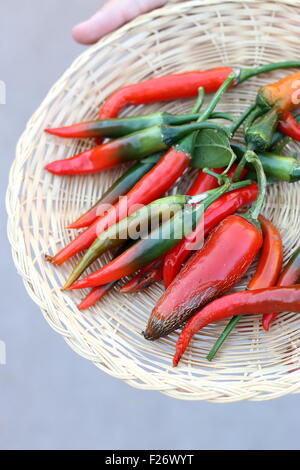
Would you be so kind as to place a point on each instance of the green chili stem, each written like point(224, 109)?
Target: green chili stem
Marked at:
point(187, 143)
point(241, 119)
point(252, 158)
point(201, 197)
point(215, 100)
point(247, 73)
point(240, 184)
point(255, 113)
point(226, 332)
point(199, 102)
point(218, 115)
point(212, 173)
point(239, 168)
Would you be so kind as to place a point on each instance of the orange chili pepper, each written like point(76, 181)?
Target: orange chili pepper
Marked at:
point(283, 94)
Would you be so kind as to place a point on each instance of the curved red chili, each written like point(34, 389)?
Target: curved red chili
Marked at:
point(290, 275)
point(225, 257)
point(239, 303)
point(266, 274)
point(165, 88)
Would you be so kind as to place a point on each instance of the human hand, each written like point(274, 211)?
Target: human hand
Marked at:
point(111, 16)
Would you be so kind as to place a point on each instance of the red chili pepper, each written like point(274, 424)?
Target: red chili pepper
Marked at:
point(183, 85)
point(266, 274)
point(289, 276)
point(153, 185)
point(215, 269)
point(270, 260)
point(94, 296)
point(289, 126)
point(239, 303)
point(145, 278)
point(204, 182)
point(165, 88)
point(226, 205)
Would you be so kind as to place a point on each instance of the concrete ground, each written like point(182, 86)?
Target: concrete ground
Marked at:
point(50, 397)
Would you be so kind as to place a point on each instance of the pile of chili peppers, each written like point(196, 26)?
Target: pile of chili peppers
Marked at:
point(222, 207)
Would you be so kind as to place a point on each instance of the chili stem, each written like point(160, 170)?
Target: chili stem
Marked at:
point(218, 115)
point(245, 74)
point(226, 332)
point(239, 168)
point(218, 176)
point(241, 119)
point(215, 100)
point(199, 102)
point(252, 158)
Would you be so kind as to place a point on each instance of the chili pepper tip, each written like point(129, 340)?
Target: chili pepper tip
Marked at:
point(55, 167)
point(175, 361)
point(50, 131)
point(78, 285)
point(49, 259)
point(81, 306)
point(266, 325)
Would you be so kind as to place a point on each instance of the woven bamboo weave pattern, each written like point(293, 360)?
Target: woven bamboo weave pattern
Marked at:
point(253, 365)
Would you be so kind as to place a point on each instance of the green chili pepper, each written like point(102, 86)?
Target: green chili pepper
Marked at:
point(132, 147)
point(260, 133)
point(275, 166)
point(119, 127)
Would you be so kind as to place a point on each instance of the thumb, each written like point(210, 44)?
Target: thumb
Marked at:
point(111, 16)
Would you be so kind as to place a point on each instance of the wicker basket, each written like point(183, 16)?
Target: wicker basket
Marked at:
point(253, 365)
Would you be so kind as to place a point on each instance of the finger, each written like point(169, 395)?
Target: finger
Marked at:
point(111, 16)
